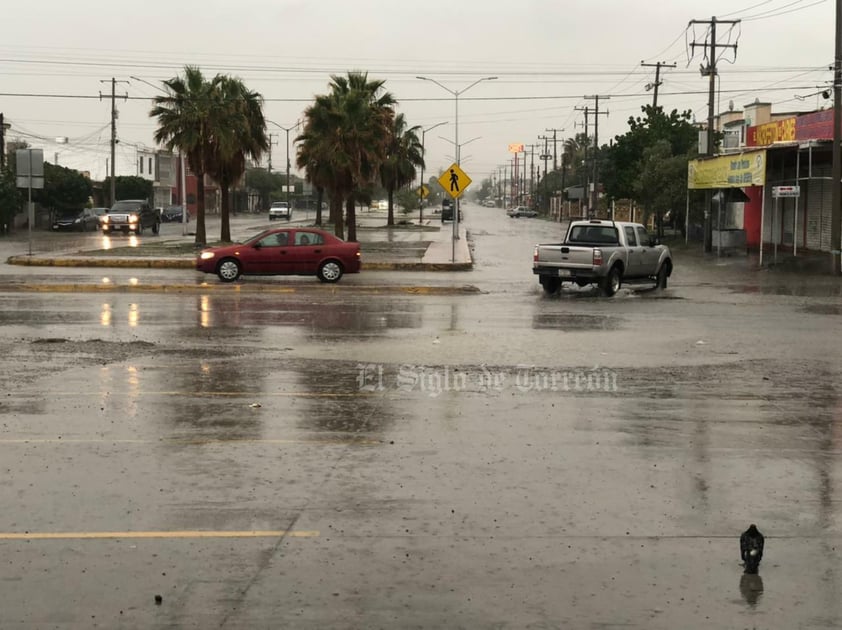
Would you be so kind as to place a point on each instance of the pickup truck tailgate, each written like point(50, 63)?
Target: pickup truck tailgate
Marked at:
point(567, 256)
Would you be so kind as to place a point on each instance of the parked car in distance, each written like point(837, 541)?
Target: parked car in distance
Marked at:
point(447, 210)
point(605, 253)
point(280, 210)
point(521, 211)
point(283, 251)
point(80, 220)
point(174, 214)
point(131, 216)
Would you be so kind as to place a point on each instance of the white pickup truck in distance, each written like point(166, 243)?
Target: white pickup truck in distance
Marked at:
point(605, 253)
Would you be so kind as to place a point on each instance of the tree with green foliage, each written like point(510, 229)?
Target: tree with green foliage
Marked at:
point(314, 156)
point(407, 198)
point(265, 183)
point(403, 157)
point(130, 187)
point(238, 132)
point(64, 189)
point(10, 200)
point(185, 123)
point(662, 183)
point(575, 149)
point(345, 141)
point(623, 163)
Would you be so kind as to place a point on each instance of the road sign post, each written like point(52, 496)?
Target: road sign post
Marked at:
point(454, 181)
point(423, 192)
point(30, 174)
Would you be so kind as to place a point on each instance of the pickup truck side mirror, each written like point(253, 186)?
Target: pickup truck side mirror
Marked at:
point(654, 241)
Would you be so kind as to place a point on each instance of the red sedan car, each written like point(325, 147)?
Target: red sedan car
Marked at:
point(290, 251)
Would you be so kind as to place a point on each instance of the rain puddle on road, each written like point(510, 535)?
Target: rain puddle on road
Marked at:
point(823, 309)
point(575, 322)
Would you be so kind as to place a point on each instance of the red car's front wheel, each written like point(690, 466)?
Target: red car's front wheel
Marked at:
point(228, 270)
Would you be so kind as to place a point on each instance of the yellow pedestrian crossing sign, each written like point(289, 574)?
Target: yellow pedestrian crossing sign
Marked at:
point(454, 180)
point(423, 191)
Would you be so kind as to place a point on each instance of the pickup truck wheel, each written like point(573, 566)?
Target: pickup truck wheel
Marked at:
point(611, 283)
point(662, 277)
point(551, 285)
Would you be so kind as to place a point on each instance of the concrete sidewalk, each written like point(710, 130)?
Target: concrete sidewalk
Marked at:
point(404, 247)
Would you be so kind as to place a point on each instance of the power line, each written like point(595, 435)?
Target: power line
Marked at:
point(754, 6)
point(766, 17)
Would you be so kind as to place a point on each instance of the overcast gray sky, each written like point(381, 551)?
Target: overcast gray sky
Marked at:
point(57, 56)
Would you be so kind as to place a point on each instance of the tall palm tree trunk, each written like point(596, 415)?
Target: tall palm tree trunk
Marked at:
point(225, 212)
point(320, 195)
point(336, 215)
point(351, 212)
point(391, 196)
point(201, 235)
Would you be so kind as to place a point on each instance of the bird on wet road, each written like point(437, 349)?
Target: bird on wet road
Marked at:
point(751, 548)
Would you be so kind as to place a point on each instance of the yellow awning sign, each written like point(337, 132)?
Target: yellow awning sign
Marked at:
point(728, 171)
point(454, 180)
point(423, 191)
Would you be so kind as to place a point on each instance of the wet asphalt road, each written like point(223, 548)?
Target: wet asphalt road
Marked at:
point(337, 459)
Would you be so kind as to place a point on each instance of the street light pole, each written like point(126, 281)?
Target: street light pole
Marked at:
point(287, 130)
point(456, 94)
point(421, 187)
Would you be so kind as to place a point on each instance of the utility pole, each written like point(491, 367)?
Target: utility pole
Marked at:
point(531, 188)
point(587, 111)
point(658, 82)
point(545, 156)
point(836, 191)
point(512, 183)
point(597, 113)
point(2, 142)
point(555, 152)
point(272, 142)
point(114, 140)
point(710, 72)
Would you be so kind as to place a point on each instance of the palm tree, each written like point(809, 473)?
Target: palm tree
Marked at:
point(184, 122)
point(576, 152)
point(345, 141)
point(316, 145)
point(240, 133)
point(405, 154)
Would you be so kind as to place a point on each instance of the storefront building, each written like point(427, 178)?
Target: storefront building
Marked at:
point(793, 151)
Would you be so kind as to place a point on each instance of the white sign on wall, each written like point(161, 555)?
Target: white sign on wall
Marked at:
point(786, 191)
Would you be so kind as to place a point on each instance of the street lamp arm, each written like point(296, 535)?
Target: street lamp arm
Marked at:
point(461, 144)
point(157, 87)
point(475, 82)
point(434, 126)
point(287, 129)
point(444, 87)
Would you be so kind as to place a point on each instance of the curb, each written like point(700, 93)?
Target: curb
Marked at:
point(237, 289)
point(146, 263)
point(170, 263)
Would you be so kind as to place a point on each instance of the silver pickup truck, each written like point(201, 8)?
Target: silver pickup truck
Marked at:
point(605, 253)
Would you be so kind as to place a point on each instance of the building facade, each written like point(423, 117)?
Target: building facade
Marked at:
point(760, 153)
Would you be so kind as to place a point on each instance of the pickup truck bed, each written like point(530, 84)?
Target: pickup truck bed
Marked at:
point(605, 253)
